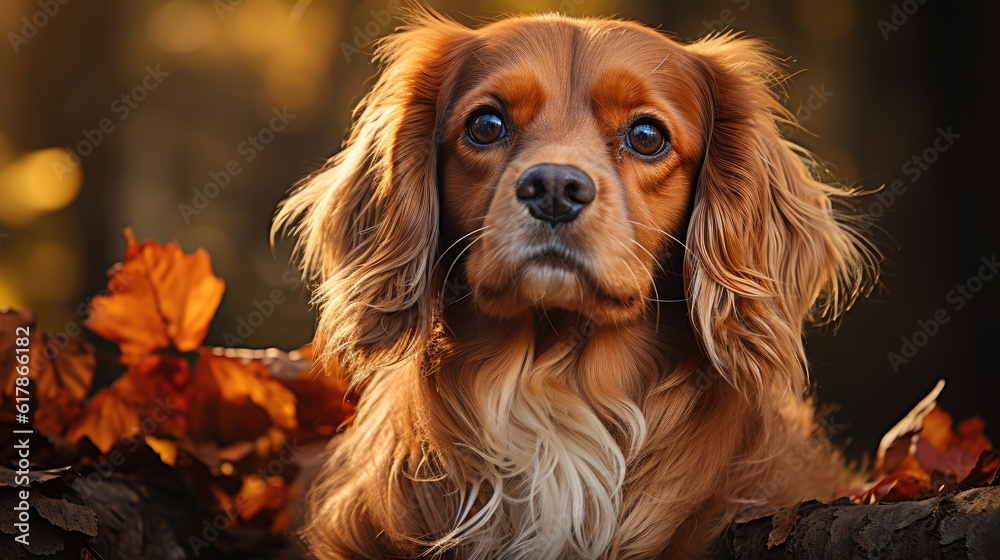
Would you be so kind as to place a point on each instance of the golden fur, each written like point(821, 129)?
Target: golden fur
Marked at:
point(624, 403)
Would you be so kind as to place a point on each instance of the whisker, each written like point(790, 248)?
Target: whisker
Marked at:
point(657, 300)
point(458, 257)
point(452, 246)
point(651, 255)
point(671, 237)
point(652, 280)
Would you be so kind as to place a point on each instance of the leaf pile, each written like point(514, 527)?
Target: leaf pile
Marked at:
point(221, 433)
point(926, 455)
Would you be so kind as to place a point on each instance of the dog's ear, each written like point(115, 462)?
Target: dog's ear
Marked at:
point(367, 224)
point(770, 247)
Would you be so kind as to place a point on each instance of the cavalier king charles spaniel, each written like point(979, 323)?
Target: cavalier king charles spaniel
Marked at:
point(567, 264)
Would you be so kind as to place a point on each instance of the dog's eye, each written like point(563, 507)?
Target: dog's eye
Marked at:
point(485, 128)
point(646, 138)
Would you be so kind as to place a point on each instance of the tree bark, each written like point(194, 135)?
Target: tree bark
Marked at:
point(961, 524)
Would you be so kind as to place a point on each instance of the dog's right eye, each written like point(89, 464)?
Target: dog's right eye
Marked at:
point(485, 127)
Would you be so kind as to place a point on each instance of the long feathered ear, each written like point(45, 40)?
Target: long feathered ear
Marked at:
point(770, 247)
point(367, 224)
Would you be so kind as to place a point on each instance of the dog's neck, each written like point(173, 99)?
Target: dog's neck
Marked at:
point(540, 415)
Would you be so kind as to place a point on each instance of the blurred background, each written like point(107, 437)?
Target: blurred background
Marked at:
point(189, 119)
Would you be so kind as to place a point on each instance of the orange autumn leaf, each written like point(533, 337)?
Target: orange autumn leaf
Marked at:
point(321, 393)
point(61, 370)
point(56, 413)
point(158, 297)
point(925, 454)
point(70, 370)
point(233, 399)
point(62, 382)
point(258, 494)
point(947, 451)
point(163, 378)
point(165, 449)
point(109, 416)
point(12, 325)
point(936, 429)
point(972, 437)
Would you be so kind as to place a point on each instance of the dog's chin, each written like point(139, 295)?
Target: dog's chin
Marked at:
point(549, 284)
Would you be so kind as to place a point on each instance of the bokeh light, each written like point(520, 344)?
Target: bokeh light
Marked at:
point(183, 26)
point(37, 183)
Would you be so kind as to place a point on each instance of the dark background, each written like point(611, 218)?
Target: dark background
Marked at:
point(231, 62)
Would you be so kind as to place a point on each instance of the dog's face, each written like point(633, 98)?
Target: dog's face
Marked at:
point(555, 161)
point(567, 166)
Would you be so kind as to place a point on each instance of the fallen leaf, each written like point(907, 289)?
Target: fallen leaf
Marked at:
point(158, 297)
point(321, 392)
point(897, 442)
point(972, 437)
point(781, 526)
point(259, 494)
point(925, 455)
point(63, 379)
point(985, 472)
point(108, 416)
point(65, 515)
point(936, 428)
point(10, 322)
point(233, 399)
point(159, 379)
point(166, 449)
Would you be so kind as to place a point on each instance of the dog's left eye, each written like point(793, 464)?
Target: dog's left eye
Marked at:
point(647, 139)
point(485, 128)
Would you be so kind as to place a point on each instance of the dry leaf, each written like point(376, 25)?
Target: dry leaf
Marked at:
point(158, 297)
point(925, 455)
point(109, 416)
point(233, 400)
point(63, 382)
point(10, 322)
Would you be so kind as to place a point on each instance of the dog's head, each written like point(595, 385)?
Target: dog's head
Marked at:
point(553, 162)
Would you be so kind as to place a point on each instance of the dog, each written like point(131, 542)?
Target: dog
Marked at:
point(567, 264)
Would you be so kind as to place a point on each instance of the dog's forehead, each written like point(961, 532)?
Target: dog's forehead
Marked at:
point(557, 47)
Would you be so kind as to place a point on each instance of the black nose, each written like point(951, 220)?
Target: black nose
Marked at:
point(555, 193)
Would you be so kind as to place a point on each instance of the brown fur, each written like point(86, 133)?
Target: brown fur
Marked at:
point(626, 406)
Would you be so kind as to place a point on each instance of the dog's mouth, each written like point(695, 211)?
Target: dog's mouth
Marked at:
point(553, 277)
